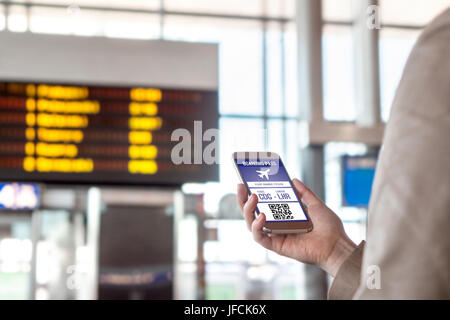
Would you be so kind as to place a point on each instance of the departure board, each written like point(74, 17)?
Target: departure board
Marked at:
point(93, 134)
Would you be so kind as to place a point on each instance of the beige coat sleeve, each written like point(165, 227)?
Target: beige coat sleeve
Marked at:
point(347, 279)
point(407, 255)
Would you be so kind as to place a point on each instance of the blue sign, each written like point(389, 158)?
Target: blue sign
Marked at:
point(19, 196)
point(357, 178)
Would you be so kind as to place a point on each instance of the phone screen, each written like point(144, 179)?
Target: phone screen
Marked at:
point(268, 179)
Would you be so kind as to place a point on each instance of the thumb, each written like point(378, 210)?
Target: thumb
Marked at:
point(306, 195)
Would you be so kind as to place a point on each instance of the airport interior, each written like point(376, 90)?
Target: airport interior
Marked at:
point(95, 96)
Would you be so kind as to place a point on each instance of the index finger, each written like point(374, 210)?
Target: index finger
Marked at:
point(249, 210)
point(242, 195)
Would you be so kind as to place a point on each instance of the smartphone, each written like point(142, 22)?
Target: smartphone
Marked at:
point(264, 174)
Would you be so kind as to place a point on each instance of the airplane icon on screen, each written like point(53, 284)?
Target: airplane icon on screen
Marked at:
point(263, 173)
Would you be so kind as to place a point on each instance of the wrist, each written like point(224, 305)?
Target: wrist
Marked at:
point(342, 249)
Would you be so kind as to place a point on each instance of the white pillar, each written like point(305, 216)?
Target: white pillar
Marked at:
point(90, 291)
point(309, 61)
point(310, 83)
point(367, 82)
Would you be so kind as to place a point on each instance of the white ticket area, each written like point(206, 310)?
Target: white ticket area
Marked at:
point(281, 194)
point(270, 184)
point(277, 200)
point(281, 214)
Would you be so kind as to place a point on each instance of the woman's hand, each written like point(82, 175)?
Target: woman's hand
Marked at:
point(326, 246)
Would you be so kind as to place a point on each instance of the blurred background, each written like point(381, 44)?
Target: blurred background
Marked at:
point(307, 79)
